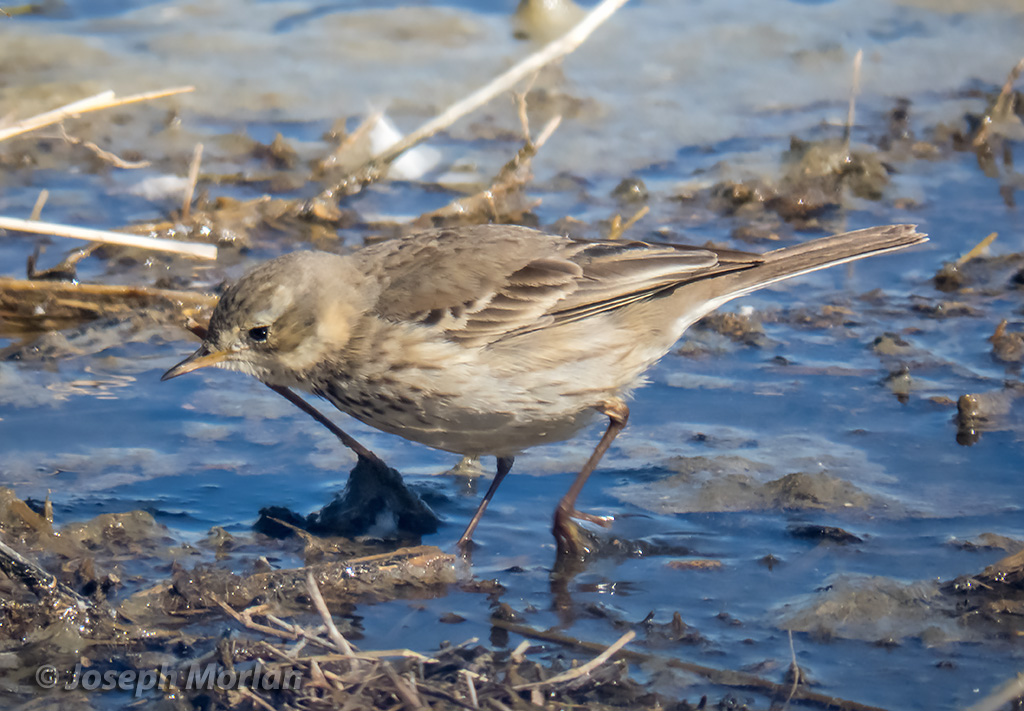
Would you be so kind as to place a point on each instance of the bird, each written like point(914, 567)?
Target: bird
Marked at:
point(491, 339)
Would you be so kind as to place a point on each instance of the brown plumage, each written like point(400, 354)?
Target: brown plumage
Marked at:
point(491, 339)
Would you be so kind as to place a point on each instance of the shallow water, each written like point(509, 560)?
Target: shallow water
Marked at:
point(680, 95)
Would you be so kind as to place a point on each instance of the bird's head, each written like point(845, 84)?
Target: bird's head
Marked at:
point(282, 319)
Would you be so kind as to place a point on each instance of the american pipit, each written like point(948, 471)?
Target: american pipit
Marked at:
point(491, 339)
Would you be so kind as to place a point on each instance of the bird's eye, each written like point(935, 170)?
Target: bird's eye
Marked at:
point(259, 333)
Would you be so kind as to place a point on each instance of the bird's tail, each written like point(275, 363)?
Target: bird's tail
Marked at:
point(741, 273)
point(818, 254)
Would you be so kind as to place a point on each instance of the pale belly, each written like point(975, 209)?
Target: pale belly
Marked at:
point(466, 425)
point(498, 400)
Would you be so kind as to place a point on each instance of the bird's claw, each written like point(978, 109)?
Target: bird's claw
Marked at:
point(572, 539)
point(602, 521)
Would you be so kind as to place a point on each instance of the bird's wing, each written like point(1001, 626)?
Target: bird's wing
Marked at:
point(486, 283)
point(620, 273)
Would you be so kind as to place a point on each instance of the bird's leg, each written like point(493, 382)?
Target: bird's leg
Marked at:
point(504, 467)
point(346, 439)
point(567, 533)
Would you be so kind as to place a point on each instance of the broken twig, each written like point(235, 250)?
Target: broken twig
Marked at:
point(193, 177)
point(586, 668)
point(191, 249)
point(321, 606)
point(103, 100)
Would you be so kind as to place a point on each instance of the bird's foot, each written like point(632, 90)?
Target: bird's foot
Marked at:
point(602, 521)
point(573, 540)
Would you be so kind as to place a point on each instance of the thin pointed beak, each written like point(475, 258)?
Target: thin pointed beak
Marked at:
point(202, 358)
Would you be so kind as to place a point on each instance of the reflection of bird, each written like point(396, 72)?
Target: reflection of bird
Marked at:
point(491, 339)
